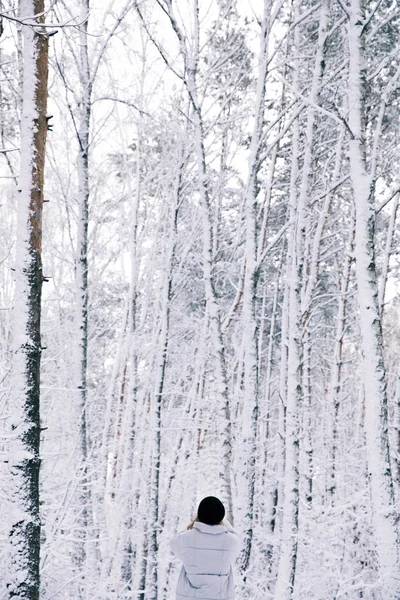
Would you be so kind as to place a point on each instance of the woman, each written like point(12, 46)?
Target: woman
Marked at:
point(207, 550)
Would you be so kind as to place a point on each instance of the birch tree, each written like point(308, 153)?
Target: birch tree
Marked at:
point(374, 377)
point(82, 304)
point(251, 375)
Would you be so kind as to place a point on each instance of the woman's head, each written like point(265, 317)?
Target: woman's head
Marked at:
point(211, 511)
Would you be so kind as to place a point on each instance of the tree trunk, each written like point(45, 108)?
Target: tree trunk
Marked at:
point(290, 505)
point(157, 405)
point(25, 393)
point(251, 374)
point(335, 383)
point(374, 375)
point(288, 554)
point(82, 301)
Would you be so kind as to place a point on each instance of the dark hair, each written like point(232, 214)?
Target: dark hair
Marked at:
point(211, 511)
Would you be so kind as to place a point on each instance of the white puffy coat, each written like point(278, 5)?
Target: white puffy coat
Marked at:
point(207, 553)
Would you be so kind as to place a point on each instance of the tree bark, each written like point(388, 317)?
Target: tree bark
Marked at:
point(82, 291)
point(25, 391)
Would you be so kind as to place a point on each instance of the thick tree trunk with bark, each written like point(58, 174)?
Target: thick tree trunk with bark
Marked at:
point(25, 394)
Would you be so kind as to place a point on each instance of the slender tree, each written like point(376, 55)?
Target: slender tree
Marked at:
point(81, 271)
point(250, 345)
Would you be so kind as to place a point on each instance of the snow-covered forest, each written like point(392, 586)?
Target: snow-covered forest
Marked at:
point(199, 293)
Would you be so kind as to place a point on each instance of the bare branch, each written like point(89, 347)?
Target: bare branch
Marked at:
point(122, 101)
point(344, 7)
point(43, 28)
point(316, 107)
point(158, 46)
point(382, 205)
point(272, 244)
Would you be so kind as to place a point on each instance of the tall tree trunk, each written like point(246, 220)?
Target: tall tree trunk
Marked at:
point(129, 433)
point(335, 383)
point(160, 374)
point(297, 318)
point(250, 343)
point(82, 287)
point(290, 505)
point(374, 375)
point(288, 553)
point(25, 393)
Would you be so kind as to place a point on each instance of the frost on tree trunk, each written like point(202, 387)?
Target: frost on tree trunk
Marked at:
point(290, 506)
point(25, 395)
point(374, 375)
point(289, 541)
point(250, 340)
point(335, 385)
point(160, 374)
point(82, 282)
point(302, 270)
point(155, 509)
